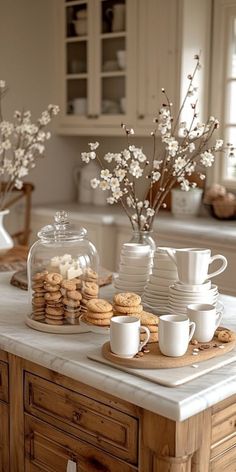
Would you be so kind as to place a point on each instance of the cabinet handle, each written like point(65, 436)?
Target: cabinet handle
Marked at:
point(71, 466)
point(76, 415)
point(140, 117)
point(92, 117)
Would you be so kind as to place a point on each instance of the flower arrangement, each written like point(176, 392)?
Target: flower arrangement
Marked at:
point(185, 149)
point(21, 144)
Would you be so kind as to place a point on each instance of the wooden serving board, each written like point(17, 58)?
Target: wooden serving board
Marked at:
point(156, 360)
point(47, 328)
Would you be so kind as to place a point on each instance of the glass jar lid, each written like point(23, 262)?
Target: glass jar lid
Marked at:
point(61, 230)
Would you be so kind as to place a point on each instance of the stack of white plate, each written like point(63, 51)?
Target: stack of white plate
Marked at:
point(164, 274)
point(182, 295)
point(134, 268)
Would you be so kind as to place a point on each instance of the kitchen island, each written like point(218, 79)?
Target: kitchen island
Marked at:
point(58, 408)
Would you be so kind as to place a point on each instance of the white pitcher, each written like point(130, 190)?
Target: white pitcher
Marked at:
point(193, 263)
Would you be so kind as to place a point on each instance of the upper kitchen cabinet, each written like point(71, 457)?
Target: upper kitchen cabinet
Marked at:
point(115, 57)
point(98, 65)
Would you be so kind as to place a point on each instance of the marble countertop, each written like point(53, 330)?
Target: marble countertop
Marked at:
point(67, 354)
point(203, 227)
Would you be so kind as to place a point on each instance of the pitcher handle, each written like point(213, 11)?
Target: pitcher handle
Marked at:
point(221, 269)
point(143, 343)
point(171, 254)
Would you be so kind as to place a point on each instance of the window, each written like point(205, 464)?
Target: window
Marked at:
point(223, 84)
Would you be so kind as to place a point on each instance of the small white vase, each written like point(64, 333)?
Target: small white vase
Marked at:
point(6, 242)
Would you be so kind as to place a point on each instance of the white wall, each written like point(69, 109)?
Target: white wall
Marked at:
point(28, 49)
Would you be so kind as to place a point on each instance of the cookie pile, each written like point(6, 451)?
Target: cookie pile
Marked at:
point(70, 290)
point(127, 303)
point(151, 322)
point(55, 300)
point(38, 299)
point(99, 312)
point(54, 312)
point(90, 288)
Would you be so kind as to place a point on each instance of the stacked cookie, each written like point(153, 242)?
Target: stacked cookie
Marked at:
point(55, 300)
point(38, 299)
point(99, 312)
point(70, 290)
point(127, 303)
point(89, 289)
point(151, 322)
point(54, 312)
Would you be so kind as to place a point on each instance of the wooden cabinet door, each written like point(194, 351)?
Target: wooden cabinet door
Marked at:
point(4, 438)
point(49, 450)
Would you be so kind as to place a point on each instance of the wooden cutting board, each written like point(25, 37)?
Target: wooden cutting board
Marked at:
point(156, 360)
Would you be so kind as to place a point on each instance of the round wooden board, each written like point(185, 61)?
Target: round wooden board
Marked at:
point(156, 360)
point(63, 329)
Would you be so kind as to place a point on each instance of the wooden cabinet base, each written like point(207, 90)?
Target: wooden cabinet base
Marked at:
point(55, 420)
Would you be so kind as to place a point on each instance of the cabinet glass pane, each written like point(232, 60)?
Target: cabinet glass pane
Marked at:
point(77, 57)
point(113, 16)
point(77, 97)
point(113, 54)
point(113, 95)
point(76, 20)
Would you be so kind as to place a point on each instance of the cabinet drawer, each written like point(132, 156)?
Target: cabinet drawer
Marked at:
point(224, 424)
point(3, 381)
point(49, 449)
point(225, 462)
point(101, 425)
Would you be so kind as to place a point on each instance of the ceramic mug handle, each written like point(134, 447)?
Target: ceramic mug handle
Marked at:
point(143, 343)
point(221, 269)
point(192, 327)
point(219, 313)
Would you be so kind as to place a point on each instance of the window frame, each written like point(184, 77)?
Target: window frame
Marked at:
point(223, 12)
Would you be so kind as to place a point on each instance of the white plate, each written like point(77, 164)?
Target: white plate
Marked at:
point(136, 261)
point(159, 281)
point(63, 329)
point(165, 274)
point(94, 329)
point(132, 278)
point(193, 288)
point(129, 270)
point(164, 264)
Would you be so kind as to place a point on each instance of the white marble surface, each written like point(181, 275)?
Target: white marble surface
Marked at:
point(204, 227)
point(67, 354)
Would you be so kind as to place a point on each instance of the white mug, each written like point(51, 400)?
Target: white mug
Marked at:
point(79, 106)
point(174, 334)
point(193, 263)
point(207, 319)
point(125, 335)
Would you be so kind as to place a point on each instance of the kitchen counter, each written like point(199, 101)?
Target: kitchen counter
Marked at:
point(67, 355)
point(202, 227)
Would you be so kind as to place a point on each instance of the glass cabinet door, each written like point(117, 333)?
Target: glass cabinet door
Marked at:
point(76, 57)
point(99, 56)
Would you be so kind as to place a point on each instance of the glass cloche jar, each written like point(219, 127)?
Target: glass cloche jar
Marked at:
point(62, 272)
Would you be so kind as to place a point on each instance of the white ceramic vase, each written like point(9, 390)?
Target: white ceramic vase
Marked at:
point(6, 242)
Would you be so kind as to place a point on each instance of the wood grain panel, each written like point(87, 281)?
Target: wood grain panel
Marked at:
point(224, 424)
point(4, 438)
point(225, 462)
point(3, 381)
point(48, 449)
point(84, 417)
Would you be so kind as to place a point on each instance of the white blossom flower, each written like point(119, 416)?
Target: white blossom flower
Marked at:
point(108, 157)
point(126, 154)
point(117, 193)
point(156, 176)
point(207, 159)
point(120, 173)
point(93, 146)
point(6, 144)
point(139, 205)
point(135, 169)
point(18, 184)
point(191, 147)
point(219, 143)
point(110, 200)
point(157, 164)
point(85, 157)
point(150, 212)
point(105, 174)
point(104, 185)
point(94, 183)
